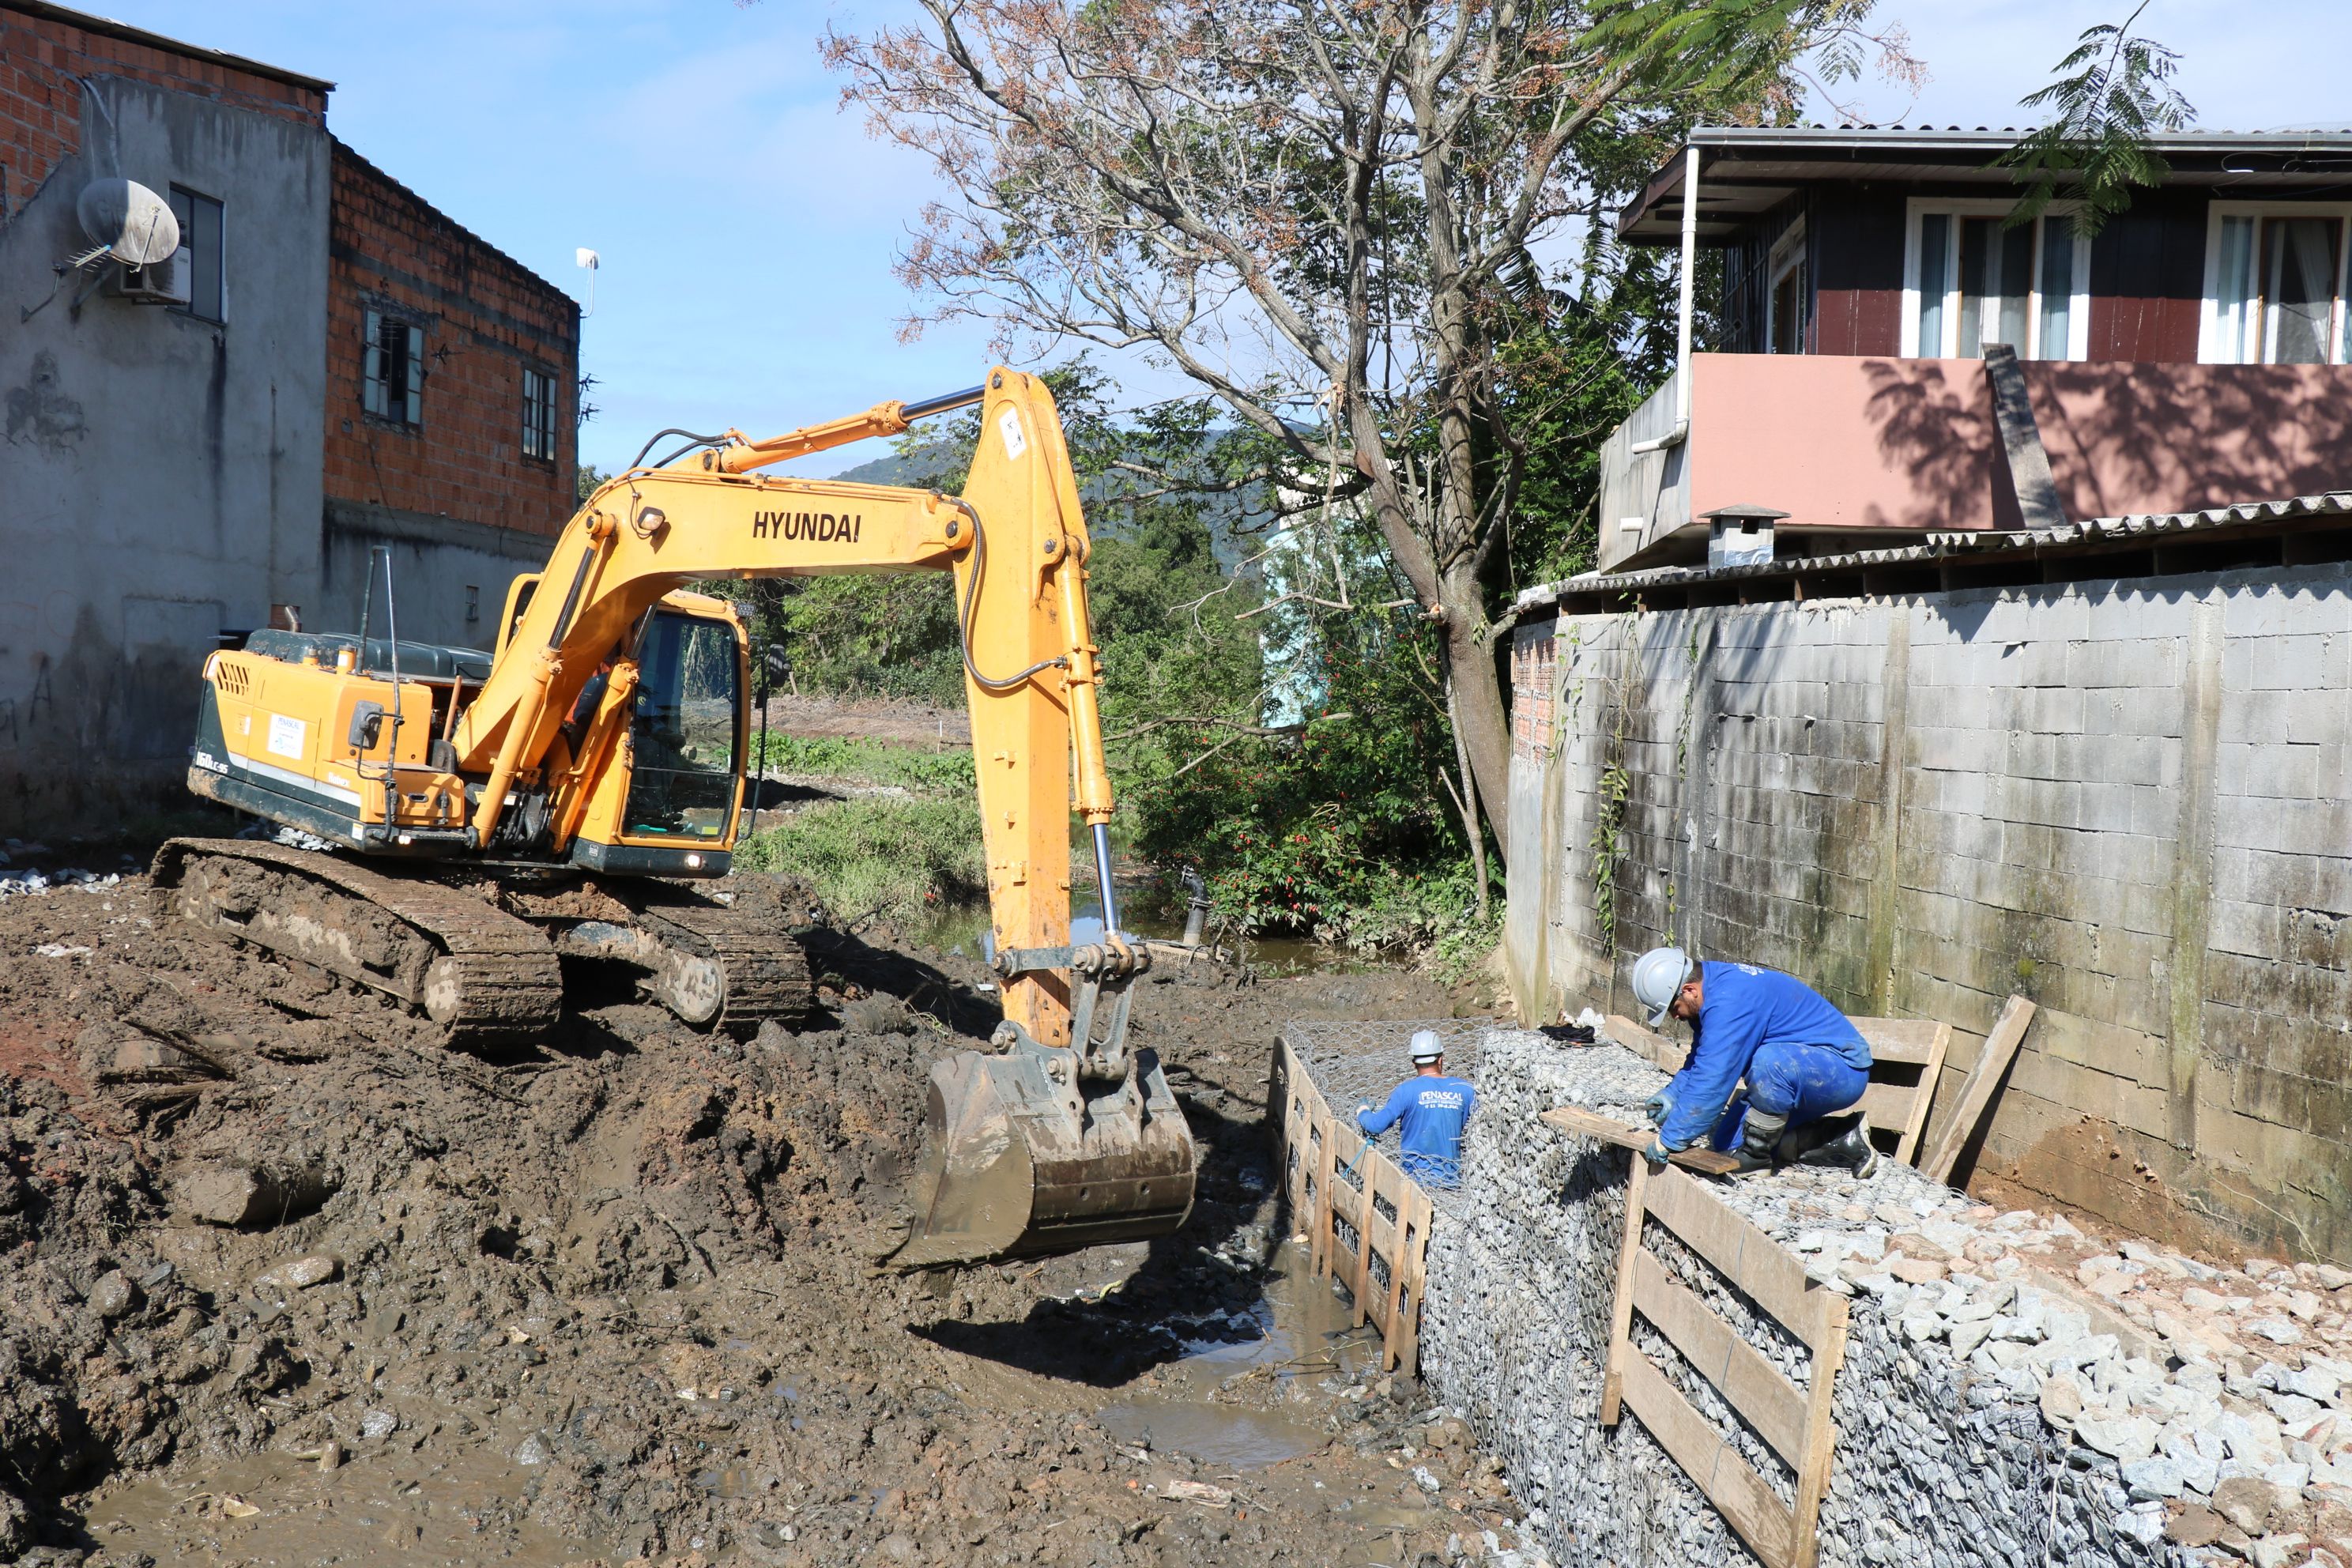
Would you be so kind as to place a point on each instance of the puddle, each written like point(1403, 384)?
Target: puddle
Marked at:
point(1304, 1333)
point(402, 1512)
point(1232, 1435)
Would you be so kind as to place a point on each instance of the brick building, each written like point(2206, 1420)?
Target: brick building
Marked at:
point(189, 454)
point(452, 375)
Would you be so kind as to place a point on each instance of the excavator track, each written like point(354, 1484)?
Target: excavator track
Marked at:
point(765, 972)
point(478, 971)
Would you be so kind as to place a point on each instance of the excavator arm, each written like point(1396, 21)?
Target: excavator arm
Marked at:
point(1065, 1138)
point(1016, 541)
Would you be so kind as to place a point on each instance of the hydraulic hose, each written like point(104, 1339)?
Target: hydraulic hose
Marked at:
point(972, 598)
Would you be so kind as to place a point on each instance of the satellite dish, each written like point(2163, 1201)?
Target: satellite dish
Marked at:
point(127, 222)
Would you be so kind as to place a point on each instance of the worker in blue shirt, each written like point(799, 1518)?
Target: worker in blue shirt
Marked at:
point(1434, 1107)
point(1772, 1065)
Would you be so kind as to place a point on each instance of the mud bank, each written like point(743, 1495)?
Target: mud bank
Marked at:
point(610, 1299)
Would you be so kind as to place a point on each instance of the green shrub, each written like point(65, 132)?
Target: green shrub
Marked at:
point(870, 762)
point(896, 858)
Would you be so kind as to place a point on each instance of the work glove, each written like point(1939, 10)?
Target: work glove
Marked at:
point(1658, 1154)
point(1657, 1108)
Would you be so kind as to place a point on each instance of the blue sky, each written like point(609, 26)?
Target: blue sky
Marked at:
point(747, 227)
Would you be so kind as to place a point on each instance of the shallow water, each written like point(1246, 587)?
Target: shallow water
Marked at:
point(1305, 1332)
point(382, 1506)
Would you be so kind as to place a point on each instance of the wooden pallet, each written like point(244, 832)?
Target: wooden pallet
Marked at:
point(1795, 1423)
point(1316, 1146)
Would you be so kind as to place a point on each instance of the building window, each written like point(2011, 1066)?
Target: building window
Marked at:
point(1787, 301)
point(199, 256)
point(1969, 280)
point(2274, 284)
point(391, 374)
point(539, 415)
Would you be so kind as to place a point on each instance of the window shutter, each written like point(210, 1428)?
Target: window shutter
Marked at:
point(416, 375)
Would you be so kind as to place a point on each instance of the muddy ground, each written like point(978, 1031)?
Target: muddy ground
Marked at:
point(611, 1300)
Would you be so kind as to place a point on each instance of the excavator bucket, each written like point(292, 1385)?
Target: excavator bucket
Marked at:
point(1022, 1158)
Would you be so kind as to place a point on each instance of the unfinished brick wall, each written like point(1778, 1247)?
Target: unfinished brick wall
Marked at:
point(2122, 799)
point(487, 319)
point(43, 51)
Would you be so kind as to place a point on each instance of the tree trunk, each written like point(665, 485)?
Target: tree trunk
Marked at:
point(1479, 711)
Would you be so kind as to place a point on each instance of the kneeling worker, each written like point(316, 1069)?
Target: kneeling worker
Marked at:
point(1801, 1060)
point(1433, 1109)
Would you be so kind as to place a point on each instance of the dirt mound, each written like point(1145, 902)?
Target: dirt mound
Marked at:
point(606, 1299)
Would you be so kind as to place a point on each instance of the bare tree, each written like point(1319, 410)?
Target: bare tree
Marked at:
point(1319, 210)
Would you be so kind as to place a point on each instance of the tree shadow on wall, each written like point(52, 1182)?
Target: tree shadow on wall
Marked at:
point(2176, 438)
point(2122, 437)
point(1938, 431)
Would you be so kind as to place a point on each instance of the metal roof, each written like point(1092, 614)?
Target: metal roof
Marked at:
point(1748, 169)
point(2136, 530)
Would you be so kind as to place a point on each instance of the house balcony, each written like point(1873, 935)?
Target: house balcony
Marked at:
point(1865, 452)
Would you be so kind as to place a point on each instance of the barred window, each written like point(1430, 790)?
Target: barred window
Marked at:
point(539, 415)
point(391, 373)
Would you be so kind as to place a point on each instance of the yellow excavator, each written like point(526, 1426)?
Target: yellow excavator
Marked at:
point(463, 824)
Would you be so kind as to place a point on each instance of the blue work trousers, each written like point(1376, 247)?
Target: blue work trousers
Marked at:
point(1802, 1083)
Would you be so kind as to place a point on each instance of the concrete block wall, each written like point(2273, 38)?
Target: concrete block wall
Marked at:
point(487, 319)
point(2124, 799)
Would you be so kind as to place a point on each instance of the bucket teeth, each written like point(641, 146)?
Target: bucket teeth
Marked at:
point(1021, 1162)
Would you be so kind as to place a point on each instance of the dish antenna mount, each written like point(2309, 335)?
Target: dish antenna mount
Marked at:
point(126, 222)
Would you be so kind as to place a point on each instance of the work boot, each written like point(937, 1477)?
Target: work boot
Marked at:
point(1760, 1136)
point(1836, 1142)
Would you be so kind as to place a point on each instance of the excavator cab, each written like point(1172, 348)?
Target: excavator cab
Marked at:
point(686, 731)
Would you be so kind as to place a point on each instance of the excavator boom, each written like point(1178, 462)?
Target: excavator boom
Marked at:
point(1066, 1138)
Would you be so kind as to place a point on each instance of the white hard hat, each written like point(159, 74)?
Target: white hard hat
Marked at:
point(1426, 1046)
point(1657, 975)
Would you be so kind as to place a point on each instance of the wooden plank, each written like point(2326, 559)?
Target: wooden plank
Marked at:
point(1738, 1492)
point(1319, 1246)
point(1620, 1310)
point(1294, 1133)
point(2000, 1048)
point(1645, 1042)
point(1828, 1341)
point(1359, 1201)
point(1769, 1274)
point(1628, 1135)
point(1906, 1040)
point(1417, 1283)
point(1889, 1106)
point(1931, 1073)
point(1375, 1233)
point(1749, 1383)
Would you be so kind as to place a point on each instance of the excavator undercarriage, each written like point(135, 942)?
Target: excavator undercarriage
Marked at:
point(478, 955)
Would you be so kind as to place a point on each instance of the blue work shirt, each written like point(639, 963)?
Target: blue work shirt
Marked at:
point(1434, 1111)
point(1741, 1009)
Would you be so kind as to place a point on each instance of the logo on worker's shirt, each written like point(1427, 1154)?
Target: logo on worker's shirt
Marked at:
point(823, 527)
point(1441, 1099)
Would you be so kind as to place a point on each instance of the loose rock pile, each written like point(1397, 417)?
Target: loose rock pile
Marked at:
point(2014, 1391)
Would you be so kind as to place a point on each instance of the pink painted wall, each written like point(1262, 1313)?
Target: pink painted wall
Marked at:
point(1910, 443)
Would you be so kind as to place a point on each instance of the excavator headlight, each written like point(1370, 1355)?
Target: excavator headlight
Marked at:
point(694, 862)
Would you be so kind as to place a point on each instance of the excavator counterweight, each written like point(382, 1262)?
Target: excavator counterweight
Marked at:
point(464, 822)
